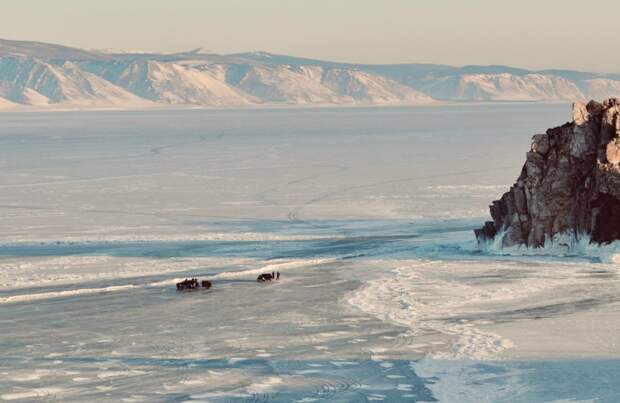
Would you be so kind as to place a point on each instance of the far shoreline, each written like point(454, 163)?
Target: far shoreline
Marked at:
point(24, 109)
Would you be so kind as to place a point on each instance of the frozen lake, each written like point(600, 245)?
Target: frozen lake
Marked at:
point(367, 214)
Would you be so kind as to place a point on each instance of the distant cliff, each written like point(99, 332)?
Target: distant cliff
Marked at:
point(569, 185)
point(52, 76)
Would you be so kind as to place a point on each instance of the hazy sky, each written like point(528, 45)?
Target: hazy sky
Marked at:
point(527, 33)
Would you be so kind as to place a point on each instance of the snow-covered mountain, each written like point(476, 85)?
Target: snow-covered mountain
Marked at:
point(31, 81)
point(168, 83)
point(504, 87)
point(600, 88)
point(314, 84)
point(46, 75)
point(6, 104)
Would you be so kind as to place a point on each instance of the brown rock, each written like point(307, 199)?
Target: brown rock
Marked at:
point(570, 183)
point(580, 113)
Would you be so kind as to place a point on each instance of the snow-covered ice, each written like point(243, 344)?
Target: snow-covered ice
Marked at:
point(367, 213)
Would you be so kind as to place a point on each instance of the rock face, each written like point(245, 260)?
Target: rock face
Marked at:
point(569, 185)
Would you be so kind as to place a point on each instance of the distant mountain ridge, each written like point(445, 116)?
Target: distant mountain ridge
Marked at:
point(35, 74)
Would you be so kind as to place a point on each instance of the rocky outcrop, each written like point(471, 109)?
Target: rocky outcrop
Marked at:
point(569, 185)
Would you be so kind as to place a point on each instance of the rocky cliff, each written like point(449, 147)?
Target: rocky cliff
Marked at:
point(569, 185)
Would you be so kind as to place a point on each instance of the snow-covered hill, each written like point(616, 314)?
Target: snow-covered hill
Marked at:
point(371, 88)
point(6, 104)
point(32, 81)
point(168, 83)
point(46, 51)
point(312, 84)
point(504, 87)
point(50, 76)
point(600, 88)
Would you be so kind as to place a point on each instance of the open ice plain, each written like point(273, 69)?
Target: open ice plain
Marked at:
point(367, 213)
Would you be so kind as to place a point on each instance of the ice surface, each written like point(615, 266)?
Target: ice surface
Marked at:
point(367, 213)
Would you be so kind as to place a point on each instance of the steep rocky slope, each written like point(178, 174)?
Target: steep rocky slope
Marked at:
point(569, 185)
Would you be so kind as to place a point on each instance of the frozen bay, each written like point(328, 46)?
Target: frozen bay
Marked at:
point(367, 213)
